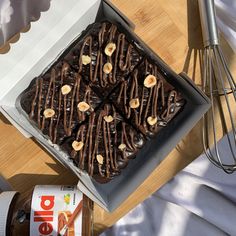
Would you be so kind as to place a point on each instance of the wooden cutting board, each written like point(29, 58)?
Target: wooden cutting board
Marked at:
point(172, 29)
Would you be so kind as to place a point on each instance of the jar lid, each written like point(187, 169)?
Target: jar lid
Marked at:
point(5, 202)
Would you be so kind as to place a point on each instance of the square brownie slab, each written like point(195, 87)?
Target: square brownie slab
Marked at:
point(104, 145)
point(58, 101)
point(103, 57)
point(147, 99)
point(101, 101)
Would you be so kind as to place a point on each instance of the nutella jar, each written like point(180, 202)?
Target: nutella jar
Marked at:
point(50, 210)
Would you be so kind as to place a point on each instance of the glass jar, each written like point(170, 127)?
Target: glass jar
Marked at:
point(47, 211)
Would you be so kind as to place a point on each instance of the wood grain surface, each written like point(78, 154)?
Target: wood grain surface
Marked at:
point(172, 29)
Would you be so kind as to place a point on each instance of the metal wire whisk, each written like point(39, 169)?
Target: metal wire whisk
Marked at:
point(220, 87)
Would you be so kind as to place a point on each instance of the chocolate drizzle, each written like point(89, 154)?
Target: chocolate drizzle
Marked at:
point(67, 115)
point(90, 111)
point(103, 138)
point(160, 101)
point(123, 60)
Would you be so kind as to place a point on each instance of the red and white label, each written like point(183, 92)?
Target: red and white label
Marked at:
point(51, 209)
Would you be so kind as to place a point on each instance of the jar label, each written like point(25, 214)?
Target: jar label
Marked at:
point(52, 208)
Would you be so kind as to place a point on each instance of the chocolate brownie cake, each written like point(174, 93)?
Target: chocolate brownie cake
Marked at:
point(101, 101)
point(147, 99)
point(104, 145)
point(103, 57)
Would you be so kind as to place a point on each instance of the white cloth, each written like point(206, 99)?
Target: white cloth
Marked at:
point(17, 14)
point(226, 20)
point(200, 200)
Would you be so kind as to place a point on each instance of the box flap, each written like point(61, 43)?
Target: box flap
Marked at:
point(43, 35)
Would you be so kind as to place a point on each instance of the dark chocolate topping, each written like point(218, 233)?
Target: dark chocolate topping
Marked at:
point(69, 103)
point(104, 138)
point(47, 94)
point(123, 59)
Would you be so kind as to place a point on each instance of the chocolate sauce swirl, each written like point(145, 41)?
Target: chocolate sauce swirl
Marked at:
point(123, 59)
point(47, 94)
point(160, 101)
point(104, 138)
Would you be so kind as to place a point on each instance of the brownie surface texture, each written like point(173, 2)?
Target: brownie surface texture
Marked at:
point(101, 101)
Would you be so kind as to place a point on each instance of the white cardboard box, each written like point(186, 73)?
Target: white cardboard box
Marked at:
point(39, 47)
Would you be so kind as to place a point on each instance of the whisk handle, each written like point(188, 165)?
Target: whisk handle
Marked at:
point(208, 22)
